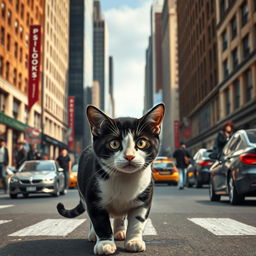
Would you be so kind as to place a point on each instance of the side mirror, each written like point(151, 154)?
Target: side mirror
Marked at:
point(214, 156)
point(60, 170)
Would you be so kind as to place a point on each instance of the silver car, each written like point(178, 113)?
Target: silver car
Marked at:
point(42, 176)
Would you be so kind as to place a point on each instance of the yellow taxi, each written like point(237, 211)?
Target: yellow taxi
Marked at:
point(165, 171)
point(72, 182)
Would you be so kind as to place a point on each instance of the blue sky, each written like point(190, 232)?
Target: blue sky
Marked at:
point(129, 27)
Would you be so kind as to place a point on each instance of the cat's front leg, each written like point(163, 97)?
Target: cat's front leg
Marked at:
point(119, 229)
point(136, 223)
point(105, 244)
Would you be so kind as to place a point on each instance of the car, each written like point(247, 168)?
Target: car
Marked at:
point(198, 170)
point(41, 176)
point(234, 172)
point(72, 181)
point(165, 171)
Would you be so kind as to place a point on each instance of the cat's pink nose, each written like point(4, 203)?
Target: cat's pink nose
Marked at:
point(129, 157)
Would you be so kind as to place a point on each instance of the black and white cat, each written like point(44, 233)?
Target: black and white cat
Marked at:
point(115, 180)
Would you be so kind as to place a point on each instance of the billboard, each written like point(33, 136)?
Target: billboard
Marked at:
point(71, 121)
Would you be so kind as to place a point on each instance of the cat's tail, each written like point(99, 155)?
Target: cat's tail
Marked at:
point(78, 210)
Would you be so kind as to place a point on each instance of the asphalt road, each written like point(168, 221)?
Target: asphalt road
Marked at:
point(171, 230)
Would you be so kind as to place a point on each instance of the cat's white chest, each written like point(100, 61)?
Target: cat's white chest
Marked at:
point(119, 194)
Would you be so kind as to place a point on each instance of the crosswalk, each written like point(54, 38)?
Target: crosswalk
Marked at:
point(63, 227)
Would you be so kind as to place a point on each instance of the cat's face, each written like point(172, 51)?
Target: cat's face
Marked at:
point(125, 145)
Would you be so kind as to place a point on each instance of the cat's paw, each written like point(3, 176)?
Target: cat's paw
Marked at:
point(92, 236)
point(120, 235)
point(104, 247)
point(135, 245)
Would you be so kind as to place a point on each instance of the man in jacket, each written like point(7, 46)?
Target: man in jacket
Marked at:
point(4, 161)
point(21, 156)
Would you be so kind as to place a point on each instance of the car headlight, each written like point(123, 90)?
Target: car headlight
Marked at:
point(48, 179)
point(14, 180)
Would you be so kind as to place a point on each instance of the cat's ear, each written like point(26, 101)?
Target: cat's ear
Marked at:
point(96, 119)
point(154, 118)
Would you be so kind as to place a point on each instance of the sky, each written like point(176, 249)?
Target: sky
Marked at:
point(129, 28)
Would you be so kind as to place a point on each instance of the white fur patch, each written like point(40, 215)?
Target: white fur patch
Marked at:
point(105, 247)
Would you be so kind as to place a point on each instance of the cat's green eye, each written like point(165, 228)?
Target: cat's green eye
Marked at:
point(142, 143)
point(114, 144)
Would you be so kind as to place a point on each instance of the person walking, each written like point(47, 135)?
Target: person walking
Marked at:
point(182, 157)
point(4, 162)
point(223, 137)
point(65, 163)
point(33, 153)
point(21, 155)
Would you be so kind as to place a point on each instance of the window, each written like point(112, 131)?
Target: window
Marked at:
point(236, 94)
point(7, 71)
point(21, 55)
point(15, 109)
point(244, 13)
point(9, 17)
point(16, 26)
point(224, 41)
point(246, 47)
point(17, 5)
point(1, 65)
point(22, 11)
point(248, 85)
point(21, 32)
point(2, 32)
point(222, 8)
point(20, 81)
point(16, 50)
point(8, 43)
point(15, 76)
point(2, 101)
point(227, 101)
point(233, 28)
point(225, 69)
point(3, 9)
point(27, 20)
point(234, 58)
point(254, 5)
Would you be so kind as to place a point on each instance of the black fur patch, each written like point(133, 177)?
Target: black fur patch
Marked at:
point(139, 218)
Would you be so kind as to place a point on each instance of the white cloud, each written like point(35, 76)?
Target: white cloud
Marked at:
point(129, 29)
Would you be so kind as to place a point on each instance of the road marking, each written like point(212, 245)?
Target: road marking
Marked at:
point(149, 229)
point(225, 226)
point(4, 221)
point(50, 227)
point(6, 206)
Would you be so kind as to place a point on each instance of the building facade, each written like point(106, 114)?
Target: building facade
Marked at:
point(170, 131)
point(15, 20)
point(111, 86)
point(81, 67)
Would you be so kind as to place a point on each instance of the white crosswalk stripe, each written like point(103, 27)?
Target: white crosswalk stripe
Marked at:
point(224, 226)
point(50, 227)
point(4, 221)
point(6, 206)
point(149, 229)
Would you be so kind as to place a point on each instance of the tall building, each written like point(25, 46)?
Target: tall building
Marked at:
point(101, 56)
point(15, 20)
point(55, 75)
point(81, 66)
point(111, 86)
point(236, 36)
point(198, 71)
point(170, 131)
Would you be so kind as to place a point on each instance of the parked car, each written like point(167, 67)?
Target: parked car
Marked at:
point(72, 182)
point(42, 176)
point(165, 171)
point(198, 170)
point(234, 172)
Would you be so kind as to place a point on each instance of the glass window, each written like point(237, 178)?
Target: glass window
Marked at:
point(251, 136)
point(15, 109)
point(236, 94)
point(234, 58)
point(17, 5)
point(3, 9)
point(1, 65)
point(225, 69)
point(9, 17)
point(233, 28)
point(16, 50)
point(222, 8)
point(15, 76)
point(2, 35)
point(248, 85)
point(7, 71)
point(22, 11)
point(227, 101)
point(38, 166)
point(224, 41)
point(2, 101)
point(246, 47)
point(8, 44)
point(244, 13)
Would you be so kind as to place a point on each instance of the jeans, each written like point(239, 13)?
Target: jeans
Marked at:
point(66, 174)
point(182, 177)
point(2, 176)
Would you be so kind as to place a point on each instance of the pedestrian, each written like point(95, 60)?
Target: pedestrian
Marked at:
point(33, 153)
point(223, 137)
point(182, 157)
point(65, 163)
point(4, 162)
point(21, 155)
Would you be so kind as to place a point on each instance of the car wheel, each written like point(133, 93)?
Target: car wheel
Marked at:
point(57, 190)
point(26, 195)
point(197, 182)
point(188, 184)
point(213, 196)
point(234, 197)
point(13, 196)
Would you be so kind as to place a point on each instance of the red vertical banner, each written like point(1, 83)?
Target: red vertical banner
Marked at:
point(176, 134)
point(34, 64)
point(71, 121)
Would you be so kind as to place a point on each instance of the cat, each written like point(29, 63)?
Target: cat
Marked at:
point(115, 179)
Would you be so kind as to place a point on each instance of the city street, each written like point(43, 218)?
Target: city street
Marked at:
point(171, 230)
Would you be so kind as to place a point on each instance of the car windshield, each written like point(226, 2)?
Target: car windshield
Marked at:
point(75, 168)
point(37, 167)
point(252, 136)
point(163, 165)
